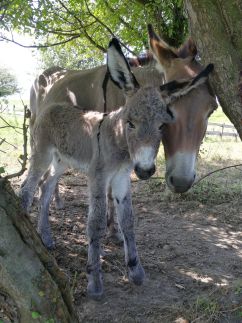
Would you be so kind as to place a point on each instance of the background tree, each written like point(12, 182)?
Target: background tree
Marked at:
point(216, 27)
point(8, 82)
point(88, 25)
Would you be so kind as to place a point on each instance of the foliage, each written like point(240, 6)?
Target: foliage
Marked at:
point(8, 82)
point(82, 28)
point(70, 57)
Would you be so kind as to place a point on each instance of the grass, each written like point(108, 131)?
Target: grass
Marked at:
point(219, 117)
point(219, 187)
point(11, 148)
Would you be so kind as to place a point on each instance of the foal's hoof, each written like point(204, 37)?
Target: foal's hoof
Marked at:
point(116, 238)
point(59, 204)
point(48, 242)
point(25, 200)
point(95, 287)
point(136, 274)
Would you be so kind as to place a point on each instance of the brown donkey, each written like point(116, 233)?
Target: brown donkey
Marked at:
point(182, 139)
point(107, 148)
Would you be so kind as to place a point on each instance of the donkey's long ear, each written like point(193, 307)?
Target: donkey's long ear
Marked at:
point(119, 68)
point(162, 52)
point(189, 48)
point(175, 89)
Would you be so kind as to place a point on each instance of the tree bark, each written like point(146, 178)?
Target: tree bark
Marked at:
point(216, 27)
point(32, 287)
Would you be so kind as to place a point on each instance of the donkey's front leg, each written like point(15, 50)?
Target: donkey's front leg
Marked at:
point(123, 203)
point(96, 228)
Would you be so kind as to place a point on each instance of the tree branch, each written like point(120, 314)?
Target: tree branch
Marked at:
point(92, 41)
point(215, 171)
point(108, 29)
point(39, 46)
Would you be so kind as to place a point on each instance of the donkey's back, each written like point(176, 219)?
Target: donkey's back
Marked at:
point(93, 89)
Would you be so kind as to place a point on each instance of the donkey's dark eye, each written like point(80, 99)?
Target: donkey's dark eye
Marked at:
point(161, 126)
point(131, 125)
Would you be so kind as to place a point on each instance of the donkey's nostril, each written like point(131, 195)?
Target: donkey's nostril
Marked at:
point(144, 173)
point(152, 170)
point(172, 180)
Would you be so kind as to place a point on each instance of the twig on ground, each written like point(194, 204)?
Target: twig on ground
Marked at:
point(138, 180)
point(215, 171)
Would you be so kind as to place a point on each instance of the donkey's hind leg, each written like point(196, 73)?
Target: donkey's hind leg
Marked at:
point(96, 228)
point(59, 204)
point(123, 203)
point(38, 164)
point(57, 199)
point(114, 232)
point(47, 189)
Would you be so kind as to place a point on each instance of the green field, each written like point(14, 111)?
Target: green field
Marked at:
point(11, 137)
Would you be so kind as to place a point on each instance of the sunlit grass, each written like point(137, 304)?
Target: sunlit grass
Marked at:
point(219, 116)
point(12, 146)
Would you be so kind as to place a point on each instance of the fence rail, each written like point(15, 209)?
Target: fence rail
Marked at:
point(221, 130)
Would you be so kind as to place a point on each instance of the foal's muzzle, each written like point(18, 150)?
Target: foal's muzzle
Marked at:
point(144, 173)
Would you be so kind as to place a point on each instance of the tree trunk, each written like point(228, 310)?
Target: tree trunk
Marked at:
point(32, 287)
point(216, 26)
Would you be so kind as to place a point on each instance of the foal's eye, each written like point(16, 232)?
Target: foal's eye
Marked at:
point(131, 125)
point(161, 126)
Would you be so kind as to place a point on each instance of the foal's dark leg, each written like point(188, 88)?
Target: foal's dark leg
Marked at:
point(46, 189)
point(59, 204)
point(38, 164)
point(123, 203)
point(114, 232)
point(56, 194)
point(96, 229)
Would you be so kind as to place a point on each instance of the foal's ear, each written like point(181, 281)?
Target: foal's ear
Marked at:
point(175, 89)
point(119, 68)
point(42, 80)
point(163, 53)
point(187, 49)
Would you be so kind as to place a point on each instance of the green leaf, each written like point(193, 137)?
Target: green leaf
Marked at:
point(2, 170)
point(35, 315)
point(41, 293)
point(50, 321)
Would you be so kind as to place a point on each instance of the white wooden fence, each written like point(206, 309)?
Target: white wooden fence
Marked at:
point(222, 130)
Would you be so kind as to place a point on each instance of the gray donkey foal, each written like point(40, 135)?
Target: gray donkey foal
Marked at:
point(107, 148)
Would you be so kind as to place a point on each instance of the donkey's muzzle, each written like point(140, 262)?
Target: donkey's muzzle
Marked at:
point(179, 184)
point(144, 173)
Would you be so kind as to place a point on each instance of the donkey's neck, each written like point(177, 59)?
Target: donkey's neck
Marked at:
point(115, 128)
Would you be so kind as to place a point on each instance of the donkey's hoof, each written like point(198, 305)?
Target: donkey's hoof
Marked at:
point(59, 204)
point(116, 238)
point(136, 274)
point(26, 205)
point(48, 242)
point(95, 288)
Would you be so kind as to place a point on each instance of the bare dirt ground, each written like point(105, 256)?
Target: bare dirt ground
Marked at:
point(191, 252)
